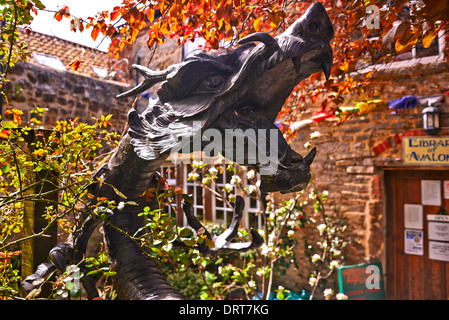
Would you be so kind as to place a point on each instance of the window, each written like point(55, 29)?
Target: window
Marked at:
point(221, 212)
point(418, 55)
point(49, 61)
point(168, 172)
point(194, 189)
point(216, 200)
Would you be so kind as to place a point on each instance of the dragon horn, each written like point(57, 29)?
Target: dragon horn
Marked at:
point(151, 78)
point(263, 37)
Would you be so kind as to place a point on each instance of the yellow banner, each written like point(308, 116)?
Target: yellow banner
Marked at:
point(426, 150)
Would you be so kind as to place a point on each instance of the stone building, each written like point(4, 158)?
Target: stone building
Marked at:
point(47, 81)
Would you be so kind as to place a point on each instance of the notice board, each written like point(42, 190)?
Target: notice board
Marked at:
point(362, 281)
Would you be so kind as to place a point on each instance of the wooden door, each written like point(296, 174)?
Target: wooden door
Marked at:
point(412, 276)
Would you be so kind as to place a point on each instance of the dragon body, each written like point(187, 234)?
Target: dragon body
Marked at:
point(228, 90)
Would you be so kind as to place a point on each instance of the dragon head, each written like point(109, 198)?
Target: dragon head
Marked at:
point(226, 101)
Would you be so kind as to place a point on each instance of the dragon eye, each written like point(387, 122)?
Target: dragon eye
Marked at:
point(214, 81)
point(314, 27)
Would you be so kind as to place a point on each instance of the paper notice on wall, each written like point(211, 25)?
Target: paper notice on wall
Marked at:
point(414, 242)
point(446, 189)
point(439, 250)
point(413, 216)
point(431, 192)
point(439, 231)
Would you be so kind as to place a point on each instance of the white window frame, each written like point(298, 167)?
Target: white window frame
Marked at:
point(186, 183)
point(228, 212)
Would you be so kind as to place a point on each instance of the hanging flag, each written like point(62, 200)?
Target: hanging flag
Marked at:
point(403, 103)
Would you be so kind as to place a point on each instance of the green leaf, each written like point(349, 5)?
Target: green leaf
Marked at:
point(184, 232)
point(75, 292)
point(209, 243)
point(6, 168)
point(280, 295)
point(8, 125)
point(189, 242)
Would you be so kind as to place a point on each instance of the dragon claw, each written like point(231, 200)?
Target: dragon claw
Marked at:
point(222, 243)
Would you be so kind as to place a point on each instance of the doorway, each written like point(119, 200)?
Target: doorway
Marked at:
point(417, 235)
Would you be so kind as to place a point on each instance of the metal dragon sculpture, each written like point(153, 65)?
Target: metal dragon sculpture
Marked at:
point(242, 88)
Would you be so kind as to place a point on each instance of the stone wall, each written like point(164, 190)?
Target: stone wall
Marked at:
point(352, 157)
point(66, 95)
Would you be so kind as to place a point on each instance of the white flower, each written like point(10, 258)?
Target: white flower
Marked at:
point(250, 174)
point(314, 135)
point(316, 257)
point(326, 193)
point(197, 163)
point(336, 252)
point(258, 184)
point(252, 284)
point(235, 180)
point(307, 145)
point(228, 187)
point(264, 250)
point(206, 180)
point(290, 233)
point(321, 227)
point(252, 189)
point(328, 293)
point(341, 296)
point(213, 171)
point(281, 288)
point(333, 264)
point(193, 176)
point(312, 281)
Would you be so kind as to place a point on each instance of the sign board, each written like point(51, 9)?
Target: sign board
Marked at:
point(426, 150)
point(414, 242)
point(439, 251)
point(438, 217)
point(438, 231)
point(362, 281)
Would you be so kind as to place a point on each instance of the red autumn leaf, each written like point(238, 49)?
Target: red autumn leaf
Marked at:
point(429, 36)
point(115, 14)
point(64, 12)
point(58, 16)
point(4, 134)
point(75, 64)
point(95, 32)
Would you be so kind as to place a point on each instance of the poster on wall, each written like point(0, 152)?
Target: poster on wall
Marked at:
point(431, 192)
point(439, 251)
point(446, 189)
point(413, 216)
point(414, 242)
point(439, 231)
